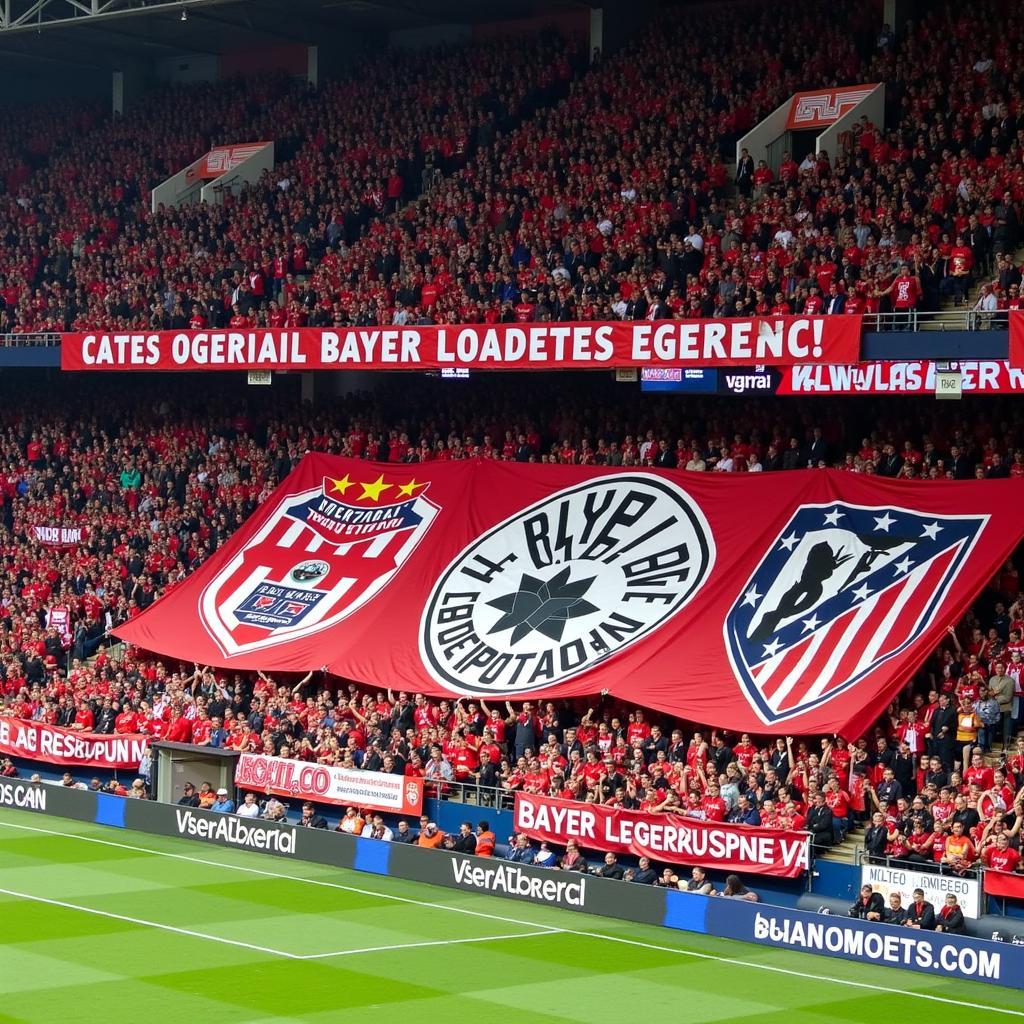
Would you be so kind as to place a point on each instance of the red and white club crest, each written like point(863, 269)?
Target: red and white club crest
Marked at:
point(320, 556)
point(412, 793)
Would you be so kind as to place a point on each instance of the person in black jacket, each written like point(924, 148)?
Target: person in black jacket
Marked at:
point(894, 913)
point(950, 918)
point(645, 874)
point(944, 732)
point(611, 868)
point(819, 823)
point(869, 902)
point(310, 819)
point(488, 773)
point(191, 798)
point(666, 457)
point(920, 913)
point(875, 837)
point(464, 842)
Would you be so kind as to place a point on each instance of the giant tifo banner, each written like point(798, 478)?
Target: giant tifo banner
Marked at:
point(821, 107)
point(584, 346)
point(907, 377)
point(38, 742)
point(769, 602)
point(377, 791)
point(668, 838)
point(59, 536)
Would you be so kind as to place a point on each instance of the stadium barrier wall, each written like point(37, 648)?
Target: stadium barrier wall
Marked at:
point(947, 956)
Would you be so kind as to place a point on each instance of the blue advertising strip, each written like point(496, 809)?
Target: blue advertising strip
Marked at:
point(933, 953)
point(110, 810)
point(373, 856)
point(685, 911)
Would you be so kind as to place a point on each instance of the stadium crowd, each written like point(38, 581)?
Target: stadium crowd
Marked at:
point(477, 184)
point(516, 182)
point(158, 487)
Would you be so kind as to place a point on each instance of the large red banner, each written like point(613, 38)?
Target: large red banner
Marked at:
point(509, 581)
point(333, 784)
point(668, 838)
point(582, 346)
point(38, 742)
point(900, 377)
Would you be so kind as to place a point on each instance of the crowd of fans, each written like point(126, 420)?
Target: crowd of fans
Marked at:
point(157, 487)
point(514, 181)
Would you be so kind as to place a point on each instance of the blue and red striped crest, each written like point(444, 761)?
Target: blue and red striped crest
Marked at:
point(842, 589)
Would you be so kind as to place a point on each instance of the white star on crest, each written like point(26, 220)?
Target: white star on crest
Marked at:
point(770, 650)
point(751, 597)
point(789, 542)
point(862, 592)
point(834, 516)
point(932, 531)
point(904, 566)
point(883, 522)
point(811, 624)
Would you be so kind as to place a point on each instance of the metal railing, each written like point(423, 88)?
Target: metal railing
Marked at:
point(932, 868)
point(963, 319)
point(471, 793)
point(937, 320)
point(37, 339)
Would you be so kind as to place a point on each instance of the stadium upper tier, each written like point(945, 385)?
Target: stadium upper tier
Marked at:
point(514, 180)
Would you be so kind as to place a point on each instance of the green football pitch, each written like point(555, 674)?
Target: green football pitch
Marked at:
point(101, 925)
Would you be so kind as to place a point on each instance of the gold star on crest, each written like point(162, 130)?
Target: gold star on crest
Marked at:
point(340, 486)
point(407, 490)
point(373, 491)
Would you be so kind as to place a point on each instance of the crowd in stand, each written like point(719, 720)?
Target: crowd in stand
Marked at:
point(517, 181)
point(513, 181)
point(158, 487)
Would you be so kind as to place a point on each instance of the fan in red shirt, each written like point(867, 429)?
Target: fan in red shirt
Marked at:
point(905, 290)
point(979, 773)
point(179, 731)
point(83, 719)
point(126, 722)
point(1001, 856)
point(744, 752)
point(465, 761)
point(839, 801)
point(713, 805)
point(637, 729)
point(814, 305)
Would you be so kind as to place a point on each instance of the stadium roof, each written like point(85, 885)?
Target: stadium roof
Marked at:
point(105, 34)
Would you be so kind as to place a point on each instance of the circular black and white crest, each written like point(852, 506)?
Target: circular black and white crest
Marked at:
point(564, 585)
point(309, 572)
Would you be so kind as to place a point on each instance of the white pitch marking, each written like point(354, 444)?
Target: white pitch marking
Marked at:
point(148, 924)
point(433, 942)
